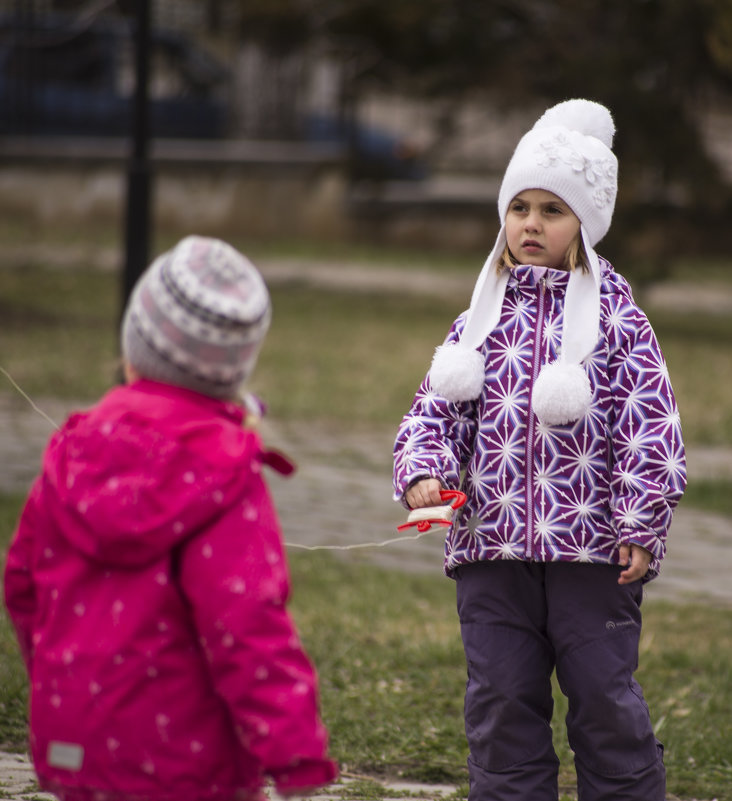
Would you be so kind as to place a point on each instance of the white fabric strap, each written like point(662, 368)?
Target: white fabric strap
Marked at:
point(581, 325)
point(487, 299)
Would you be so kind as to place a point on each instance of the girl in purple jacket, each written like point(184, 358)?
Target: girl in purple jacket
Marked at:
point(550, 406)
point(147, 580)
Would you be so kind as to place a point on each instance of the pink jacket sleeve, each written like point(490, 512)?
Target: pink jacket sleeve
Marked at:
point(236, 579)
point(20, 591)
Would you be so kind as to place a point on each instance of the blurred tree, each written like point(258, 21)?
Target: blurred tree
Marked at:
point(719, 33)
point(650, 61)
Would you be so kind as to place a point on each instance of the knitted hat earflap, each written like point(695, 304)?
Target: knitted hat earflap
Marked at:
point(562, 392)
point(458, 368)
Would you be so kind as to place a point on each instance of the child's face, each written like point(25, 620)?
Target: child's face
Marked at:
point(540, 227)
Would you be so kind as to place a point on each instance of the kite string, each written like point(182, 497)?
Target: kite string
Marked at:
point(28, 398)
point(351, 547)
point(358, 544)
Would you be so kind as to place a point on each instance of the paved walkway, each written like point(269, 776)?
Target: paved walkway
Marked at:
point(18, 782)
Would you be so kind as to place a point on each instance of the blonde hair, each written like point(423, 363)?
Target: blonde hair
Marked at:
point(574, 257)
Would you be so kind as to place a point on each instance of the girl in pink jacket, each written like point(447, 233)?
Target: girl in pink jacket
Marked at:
point(147, 580)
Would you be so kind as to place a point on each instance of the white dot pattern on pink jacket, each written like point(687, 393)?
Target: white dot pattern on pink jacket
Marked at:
point(148, 586)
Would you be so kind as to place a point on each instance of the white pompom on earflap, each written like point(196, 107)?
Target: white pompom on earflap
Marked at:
point(457, 373)
point(562, 394)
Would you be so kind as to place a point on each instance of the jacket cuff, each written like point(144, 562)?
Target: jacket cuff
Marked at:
point(646, 539)
point(307, 774)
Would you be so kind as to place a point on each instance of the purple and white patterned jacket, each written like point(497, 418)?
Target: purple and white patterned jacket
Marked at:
point(554, 493)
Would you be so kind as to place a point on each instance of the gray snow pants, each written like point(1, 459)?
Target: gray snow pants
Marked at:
point(520, 621)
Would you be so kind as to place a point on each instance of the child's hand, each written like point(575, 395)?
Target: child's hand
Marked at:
point(424, 493)
point(637, 559)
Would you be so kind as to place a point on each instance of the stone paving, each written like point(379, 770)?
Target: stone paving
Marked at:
point(18, 782)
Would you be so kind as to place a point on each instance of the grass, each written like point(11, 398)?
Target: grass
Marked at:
point(330, 354)
point(392, 673)
point(347, 356)
point(392, 670)
point(713, 496)
point(13, 685)
point(698, 349)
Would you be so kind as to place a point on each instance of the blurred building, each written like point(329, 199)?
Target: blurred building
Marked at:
point(67, 68)
point(238, 127)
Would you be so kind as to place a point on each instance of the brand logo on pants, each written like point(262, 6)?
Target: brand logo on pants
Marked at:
point(611, 624)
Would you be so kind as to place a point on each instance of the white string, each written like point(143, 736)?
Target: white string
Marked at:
point(351, 547)
point(359, 544)
point(21, 392)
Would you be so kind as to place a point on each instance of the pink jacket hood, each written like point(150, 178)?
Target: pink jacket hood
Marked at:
point(115, 513)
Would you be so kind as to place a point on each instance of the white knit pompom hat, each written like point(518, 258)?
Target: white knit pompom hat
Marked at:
point(567, 152)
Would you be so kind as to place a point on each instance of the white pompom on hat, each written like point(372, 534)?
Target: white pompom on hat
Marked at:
point(567, 152)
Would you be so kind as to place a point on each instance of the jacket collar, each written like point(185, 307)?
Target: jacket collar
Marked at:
point(225, 408)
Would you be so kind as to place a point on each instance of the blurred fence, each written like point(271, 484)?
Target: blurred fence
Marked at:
point(244, 138)
point(68, 69)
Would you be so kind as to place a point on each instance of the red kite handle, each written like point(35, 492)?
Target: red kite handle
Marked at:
point(458, 498)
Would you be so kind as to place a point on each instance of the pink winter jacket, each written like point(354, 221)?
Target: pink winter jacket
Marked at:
point(148, 587)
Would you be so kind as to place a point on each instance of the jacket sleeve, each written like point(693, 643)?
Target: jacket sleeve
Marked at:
point(236, 579)
point(19, 586)
point(649, 469)
point(435, 437)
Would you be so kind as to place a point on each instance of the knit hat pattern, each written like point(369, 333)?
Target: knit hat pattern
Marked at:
point(197, 318)
point(567, 152)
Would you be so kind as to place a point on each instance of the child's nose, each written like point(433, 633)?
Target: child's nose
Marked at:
point(533, 221)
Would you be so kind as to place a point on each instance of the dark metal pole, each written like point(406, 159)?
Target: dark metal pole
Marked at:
point(137, 221)
point(23, 86)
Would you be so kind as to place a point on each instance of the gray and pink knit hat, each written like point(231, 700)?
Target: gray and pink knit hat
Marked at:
point(197, 318)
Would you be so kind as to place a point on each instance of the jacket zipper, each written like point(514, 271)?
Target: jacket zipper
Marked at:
point(532, 424)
